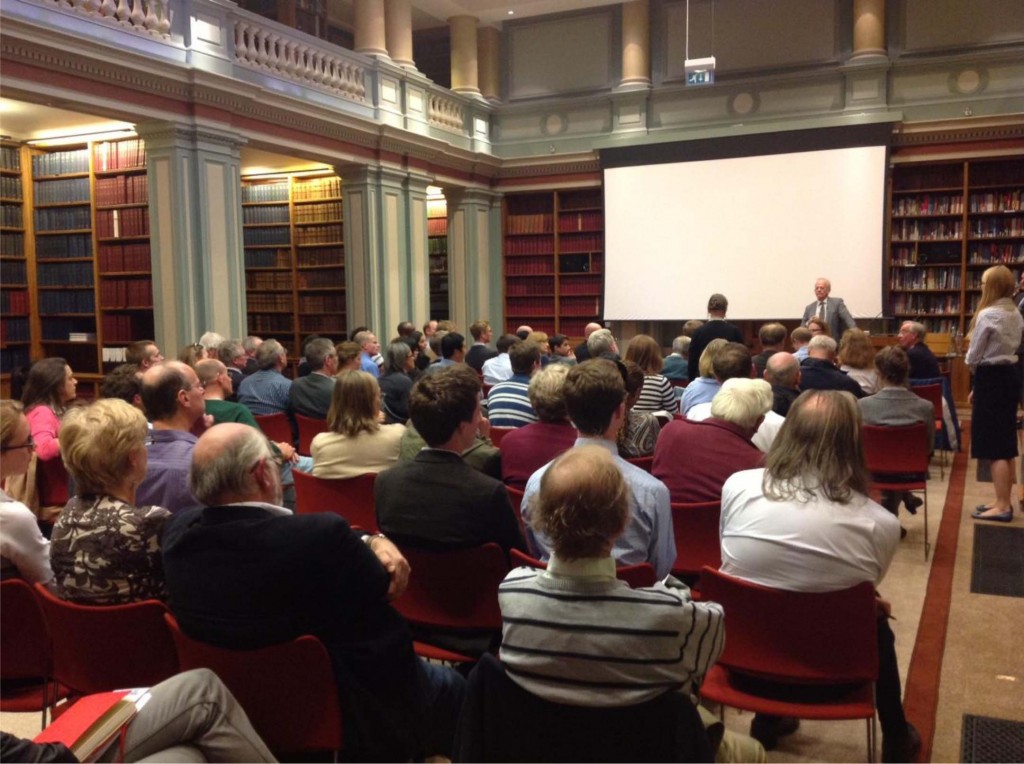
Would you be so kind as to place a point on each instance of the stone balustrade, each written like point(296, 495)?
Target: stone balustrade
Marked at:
point(151, 17)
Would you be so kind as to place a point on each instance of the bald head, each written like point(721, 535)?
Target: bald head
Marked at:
point(232, 462)
point(171, 395)
point(591, 328)
point(782, 370)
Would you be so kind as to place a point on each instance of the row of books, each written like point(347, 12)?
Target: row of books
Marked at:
point(530, 224)
point(584, 285)
point(329, 277)
point(325, 212)
point(64, 274)
point(996, 227)
point(592, 220)
point(114, 258)
point(68, 245)
point(914, 230)
point(581, 242)
point(317, 188)
point(126, 293)
point(437, 226)
point(927, 204)
point(113, 355)
point(579, 306)
point(268, 280)
point(576, 200)
point(265, 192)
point(531, 306)
point(926, 304)
point(992, 253)
point(263, 215)
point(531, 204)
point(10, 216)
point(926, 278)
point(61, 328)
point(119, 155)
point(268, 258)
point(535, 245)
point(322, 303)
point(326, 256)
point(255, 237)
point(527, 286)
point(14, 329)
point(14, 273)
point(437, 245)
point(538, 324)
point(271, 301)
point(12, 244)
point(70, 301)
point(332, 326)
point(1004, 201)
point(13, 358)
point(10, 158)
point(60, 163)
point(10, 186)
point(319, 234)
point(529, 266)
point(14, 301)
point(121, 189)
point(124, 327)
point(269, 322)
point(114, 224)
point(61, 191)
point(63, 219)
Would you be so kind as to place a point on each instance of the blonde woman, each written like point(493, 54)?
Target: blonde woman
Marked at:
point(704, 388)
point(657, 393)
point(356, 442)
point(857, 359)
point(105, 550)
point(995, 335)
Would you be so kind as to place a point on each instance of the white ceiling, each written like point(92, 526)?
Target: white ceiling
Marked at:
point(428, 14)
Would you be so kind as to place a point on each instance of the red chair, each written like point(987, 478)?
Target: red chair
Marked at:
point(276, 427)
point(288, 690)
point(805, 642)
point(646, 463)
point(309, 428)
point(695, 527)
point(108, 647)
point(890, 451)
point(497, 433)
point(637, 576)
point(26, 662)
point(516, 497)
point(933, 394)
point(352, 498)
point(455, 589)
point(484, 389)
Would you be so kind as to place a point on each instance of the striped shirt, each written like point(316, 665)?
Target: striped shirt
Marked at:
point(265, 392)
point(657, 394)
point(575, 634)
point(508, 404)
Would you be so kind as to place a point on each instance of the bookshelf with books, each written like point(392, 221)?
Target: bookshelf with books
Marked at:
point(18, 269)
point(294, 257)
point(437, 249)
point(554, 260)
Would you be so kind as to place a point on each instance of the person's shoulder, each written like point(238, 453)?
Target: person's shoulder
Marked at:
point(392, 432)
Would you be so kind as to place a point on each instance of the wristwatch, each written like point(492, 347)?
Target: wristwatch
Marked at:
point(369, 537)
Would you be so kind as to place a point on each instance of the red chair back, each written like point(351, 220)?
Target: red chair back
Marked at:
point(287, 690)
point(932, 394)
point(276, 427)
point(646, 463)
point(108, 647)
point(497, 433)
point(454, 589)
point(309, 428)
point(695, 527)
point(516, 496)
point(891, 450)
point(637, 576)
point(352, 498)
point(793, 636)
point(25, 651)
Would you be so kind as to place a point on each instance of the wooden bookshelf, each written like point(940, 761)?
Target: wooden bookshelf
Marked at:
point(554, 260)
point(437, 249)
point(15, 244)
point(949, 221)
point(294, 258)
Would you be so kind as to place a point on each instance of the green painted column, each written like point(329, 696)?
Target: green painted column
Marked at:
point(474, 246)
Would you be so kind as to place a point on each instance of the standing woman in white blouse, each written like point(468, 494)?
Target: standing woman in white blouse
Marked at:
point(995, 335)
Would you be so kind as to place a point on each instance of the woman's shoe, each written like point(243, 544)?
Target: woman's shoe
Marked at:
point(1002, 517)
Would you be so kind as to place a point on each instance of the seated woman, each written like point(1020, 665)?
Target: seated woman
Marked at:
point(816, 326)
point(857, 359)
point(356, 442)
point(193, 354)
point(23, 550)
point(704, 388)
point(640, 431)
point(49, 389)
point(105, 550)
point(657, 393)
point(396, 381)
point(419, 345)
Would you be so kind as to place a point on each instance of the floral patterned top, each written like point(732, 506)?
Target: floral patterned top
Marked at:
point(638, 434)
point(106, 552)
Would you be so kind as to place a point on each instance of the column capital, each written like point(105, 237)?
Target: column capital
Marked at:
point(162, 134)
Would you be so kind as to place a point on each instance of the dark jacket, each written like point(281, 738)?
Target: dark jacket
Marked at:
point(819, 374)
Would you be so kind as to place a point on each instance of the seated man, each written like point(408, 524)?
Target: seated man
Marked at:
point(923, 363)
point(232, 354)
point(508, 403)
point(561, 350)
point(677, 362)
point(818, 371)
point(782, 372)
point(799, 337)
point(499, 368)
point(244, 573)
point(773, 340)
point(694, 459)
point(595, 396)
point(268, 390)
point(481, 351)
point(311, 395)
point(651, 640)
point(804, 523)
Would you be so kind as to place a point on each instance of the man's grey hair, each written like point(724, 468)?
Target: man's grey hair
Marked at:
point(362, 337)
point(822, 343)
point(230, 470)
point(211, 341)
point(742, 401)
point(600, 342)
point(782, 369)
point(317, 352)
point(229, 350)
point(917, 329)
point(681, 345)
point(268, 354)
point(251, 342)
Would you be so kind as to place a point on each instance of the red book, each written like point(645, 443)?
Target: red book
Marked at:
point(91, 724)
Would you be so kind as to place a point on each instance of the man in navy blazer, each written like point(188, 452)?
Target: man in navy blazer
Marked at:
point(832, 310)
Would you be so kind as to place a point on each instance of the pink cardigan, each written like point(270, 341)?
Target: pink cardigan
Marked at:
point(51, 477)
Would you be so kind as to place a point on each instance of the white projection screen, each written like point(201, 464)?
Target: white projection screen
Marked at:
point(759, 229)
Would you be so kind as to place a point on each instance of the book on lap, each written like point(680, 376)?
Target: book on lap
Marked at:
point(90, 725)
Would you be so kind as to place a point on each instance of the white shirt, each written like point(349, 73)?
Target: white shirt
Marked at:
point(21, 542)
point(811, 545)
point(497, 369)
point(996, 336)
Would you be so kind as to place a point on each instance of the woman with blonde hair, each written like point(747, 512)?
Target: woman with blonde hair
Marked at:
point(657, 393)
point(704, 388)
point(193, 354)
point(23, 549)
point(995, 335)
point(105, 550)
point(857, 359)
point(355, 442)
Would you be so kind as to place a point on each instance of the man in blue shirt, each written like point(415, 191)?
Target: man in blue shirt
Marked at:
point(453, 351)
point(267, 391)
point(367, 340)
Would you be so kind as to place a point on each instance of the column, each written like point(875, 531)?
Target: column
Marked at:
point(868, 28)
point(488, 51)
point(194, 179)
point(370, 37)
point(398, 32)
point(464, 63)
point(636, 45)
point(418, 265)
point(474, 256)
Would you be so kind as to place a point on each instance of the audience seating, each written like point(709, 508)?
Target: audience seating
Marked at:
point(454, 590)
point(781, 655)
point(288, 690)
point(309, 428)
point(637, 576)
point(352, 498)
point(933, 394)
point(108, 647)
point(695, 527)
point(497, 433)
point(646, 463)
point(276, 427)
point(901, 455)
point(501, 721)
point(516, 497)
point(484, 389)
point(26, 660)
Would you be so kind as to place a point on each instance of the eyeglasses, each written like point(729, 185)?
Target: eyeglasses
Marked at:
point(27, 444)
point(148, 441)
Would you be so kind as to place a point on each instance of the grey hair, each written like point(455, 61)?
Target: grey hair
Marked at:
point(229, 350)
point(917, 328)
point(681, 345)
point(251, 342)
point(268, 353)
point(600, 342)
point(394, 356)
point(230, 470)
point(742, 401)
point(211, 341)
point(318, 351)
point(822, 342)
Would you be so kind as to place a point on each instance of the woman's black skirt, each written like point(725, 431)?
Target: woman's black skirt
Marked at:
point(994, 418)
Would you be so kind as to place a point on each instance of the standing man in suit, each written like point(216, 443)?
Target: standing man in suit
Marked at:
point(831, 310)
